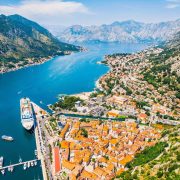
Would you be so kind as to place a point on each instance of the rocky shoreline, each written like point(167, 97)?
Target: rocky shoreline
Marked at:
point(5, 70)
point(30, 62)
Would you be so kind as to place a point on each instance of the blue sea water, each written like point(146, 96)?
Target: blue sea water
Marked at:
point(62, 75)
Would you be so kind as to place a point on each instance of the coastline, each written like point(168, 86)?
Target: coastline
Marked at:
point(28, 65)
point(41, 61)
point(97, 83)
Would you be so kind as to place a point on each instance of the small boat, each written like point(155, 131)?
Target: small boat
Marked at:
point(19, 92)
point(35, 163)
point(3, 172)
point(1, 161)
point(24, 166)
point(32, 164)
point(20, 160)
point(7, 138)
point(28, 164)
point(35, 152)
point(12, 168)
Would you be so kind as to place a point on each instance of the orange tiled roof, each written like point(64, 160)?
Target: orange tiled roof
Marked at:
point(85, 174)
point(112, 114)
point(57, 160)
point(125, 160)
point(99, 171)
point(142, 116)
point(121, 170)
point(68, 165)
point(65, 144)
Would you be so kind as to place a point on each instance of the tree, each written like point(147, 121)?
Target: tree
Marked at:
point(84, 132)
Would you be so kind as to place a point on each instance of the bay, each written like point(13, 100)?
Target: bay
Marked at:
point(62, 75)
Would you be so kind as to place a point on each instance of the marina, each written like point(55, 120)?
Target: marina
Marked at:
point(10, 167)
point(39, 143)
point(38, 115)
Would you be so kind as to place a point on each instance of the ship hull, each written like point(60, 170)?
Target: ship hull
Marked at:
point(27, 117)
point(29, 126)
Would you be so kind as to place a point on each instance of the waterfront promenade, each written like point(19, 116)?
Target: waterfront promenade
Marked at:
point(40, 115)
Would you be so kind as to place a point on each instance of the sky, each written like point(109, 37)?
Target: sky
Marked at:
point(92, 12)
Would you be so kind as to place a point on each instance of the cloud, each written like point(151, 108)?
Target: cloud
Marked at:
point(42, 10)
point(171, 4)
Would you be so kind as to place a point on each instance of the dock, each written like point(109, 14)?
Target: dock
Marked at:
point(18, 164)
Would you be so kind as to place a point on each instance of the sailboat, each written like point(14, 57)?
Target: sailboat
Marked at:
point(24, 166)
point(3, 171)
point(20, 160)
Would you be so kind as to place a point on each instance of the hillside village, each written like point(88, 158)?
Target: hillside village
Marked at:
point(136, 87)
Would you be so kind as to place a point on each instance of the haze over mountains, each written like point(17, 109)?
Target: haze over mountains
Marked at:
point(126, 31)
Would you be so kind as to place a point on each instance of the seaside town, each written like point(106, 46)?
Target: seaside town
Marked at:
point(96, 135)
point(89, 90)
point(95, 149)
point(131, 90)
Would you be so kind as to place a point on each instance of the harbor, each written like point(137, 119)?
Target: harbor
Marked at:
point(38, 115)
point(28, 164)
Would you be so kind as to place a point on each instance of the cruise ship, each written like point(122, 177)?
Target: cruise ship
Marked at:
point(27, 118)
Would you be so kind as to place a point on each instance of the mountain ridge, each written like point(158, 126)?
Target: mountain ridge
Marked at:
point(125, 31)
point(23, 42)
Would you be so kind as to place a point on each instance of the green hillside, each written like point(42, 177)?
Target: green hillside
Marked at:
point(158, 162)
point(23, 41)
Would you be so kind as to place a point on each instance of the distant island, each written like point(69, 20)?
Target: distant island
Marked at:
point(24, 43)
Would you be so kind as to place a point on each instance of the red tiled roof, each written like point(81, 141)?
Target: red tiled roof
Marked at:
point(57, 160)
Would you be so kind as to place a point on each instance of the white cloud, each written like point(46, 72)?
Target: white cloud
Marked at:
point(173, 1)
point(171, 4)
point(42, 10)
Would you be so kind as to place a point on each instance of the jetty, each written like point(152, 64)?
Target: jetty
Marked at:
point(18, 164)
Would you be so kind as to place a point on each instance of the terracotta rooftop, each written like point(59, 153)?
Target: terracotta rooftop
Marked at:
point(57, 160)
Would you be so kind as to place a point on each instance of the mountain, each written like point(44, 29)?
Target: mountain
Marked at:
point(127, 31)
point(174, 42)
point(24, 41)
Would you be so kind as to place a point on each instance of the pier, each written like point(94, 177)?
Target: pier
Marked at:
point(18, 164)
